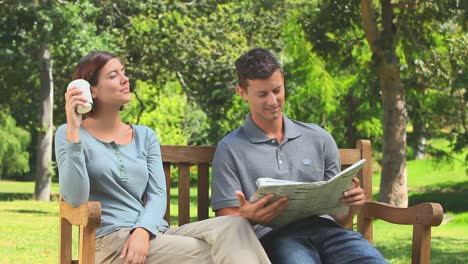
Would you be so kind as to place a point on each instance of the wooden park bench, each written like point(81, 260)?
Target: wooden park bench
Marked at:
point(88, 215)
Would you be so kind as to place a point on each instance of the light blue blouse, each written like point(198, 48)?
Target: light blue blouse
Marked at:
point(116, 175)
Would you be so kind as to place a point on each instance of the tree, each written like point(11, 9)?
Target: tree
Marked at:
point(32, 34)
point(383, 42)
point(45, 133)
point(423, 34)
point(417, 28)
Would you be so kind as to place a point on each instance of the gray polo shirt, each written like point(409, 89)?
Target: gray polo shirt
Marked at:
point(308, 153)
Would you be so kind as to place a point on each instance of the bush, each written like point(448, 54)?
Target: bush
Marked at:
point(14, 157)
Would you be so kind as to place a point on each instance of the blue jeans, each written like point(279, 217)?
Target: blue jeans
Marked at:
point(318, 240)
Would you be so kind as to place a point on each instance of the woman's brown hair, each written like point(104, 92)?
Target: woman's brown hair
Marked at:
point(89, 66)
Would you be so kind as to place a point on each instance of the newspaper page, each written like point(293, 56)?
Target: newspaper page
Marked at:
point(308, 198)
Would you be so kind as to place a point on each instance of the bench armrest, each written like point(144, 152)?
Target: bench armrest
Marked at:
point(430, 214)
point(88, 214)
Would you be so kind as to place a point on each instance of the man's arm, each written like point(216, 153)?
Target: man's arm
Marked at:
point(258, 212)
point(228, 211)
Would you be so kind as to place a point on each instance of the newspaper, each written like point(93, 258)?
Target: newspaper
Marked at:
point(308, 198)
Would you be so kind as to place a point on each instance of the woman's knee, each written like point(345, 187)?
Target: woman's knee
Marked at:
point(233, 221)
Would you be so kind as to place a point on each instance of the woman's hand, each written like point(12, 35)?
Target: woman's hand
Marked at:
point(136, 247)
point(73, 98)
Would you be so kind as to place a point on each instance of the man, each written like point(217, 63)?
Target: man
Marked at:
point(271, 145)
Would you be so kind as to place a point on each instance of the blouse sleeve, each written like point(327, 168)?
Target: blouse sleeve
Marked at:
point(73, 175)
point(151, 218)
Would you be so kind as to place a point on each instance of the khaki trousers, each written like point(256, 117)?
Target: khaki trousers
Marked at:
point(219, 240)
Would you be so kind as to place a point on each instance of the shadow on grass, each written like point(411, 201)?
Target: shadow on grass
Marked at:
point(24, 196)
point(31, 212)
point(393, 250)
point(453, 201)
point(448, 186)
point(15, 196)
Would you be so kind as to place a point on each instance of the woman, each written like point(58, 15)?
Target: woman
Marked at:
point(103, 159)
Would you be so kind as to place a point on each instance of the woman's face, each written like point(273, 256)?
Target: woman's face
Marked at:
point(113, 88)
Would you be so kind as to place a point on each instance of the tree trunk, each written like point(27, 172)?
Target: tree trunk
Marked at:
point(393, 185)
point(44, 135)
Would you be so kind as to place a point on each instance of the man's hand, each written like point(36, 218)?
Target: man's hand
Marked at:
point(136, 247)
point(354, 197)
point(261, 211)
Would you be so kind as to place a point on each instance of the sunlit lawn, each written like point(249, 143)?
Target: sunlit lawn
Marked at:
point(29, 229)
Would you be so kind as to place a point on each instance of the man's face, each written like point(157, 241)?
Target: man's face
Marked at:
point(265, 97)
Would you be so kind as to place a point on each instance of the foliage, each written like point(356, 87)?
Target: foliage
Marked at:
point(435, 71)
point(14, 157)
point(197, 43)
point(166, 111)
point(340, 43)
point(311, 89)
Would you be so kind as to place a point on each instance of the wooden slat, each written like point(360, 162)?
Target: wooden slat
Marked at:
point(349, 156)
point(365, 175)
point(184, 193)
point(189, 154)
point(203, 191)
point(364, 225)
point(167, 173)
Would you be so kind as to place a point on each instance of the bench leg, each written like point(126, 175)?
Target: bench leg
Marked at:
point(421, 253)
point(87, 251)
point(65, 255)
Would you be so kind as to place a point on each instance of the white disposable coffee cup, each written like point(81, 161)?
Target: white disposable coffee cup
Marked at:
point(85, 87)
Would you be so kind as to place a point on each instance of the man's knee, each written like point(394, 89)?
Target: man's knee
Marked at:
point(290, 250)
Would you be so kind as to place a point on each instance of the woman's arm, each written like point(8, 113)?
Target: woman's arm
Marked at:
point(136, 247)
point(155, 207)
point(73, 175)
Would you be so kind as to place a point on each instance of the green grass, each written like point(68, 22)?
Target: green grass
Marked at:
point(448, 241)
point(29, 229)
point(29, 232)
point(430, 181)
